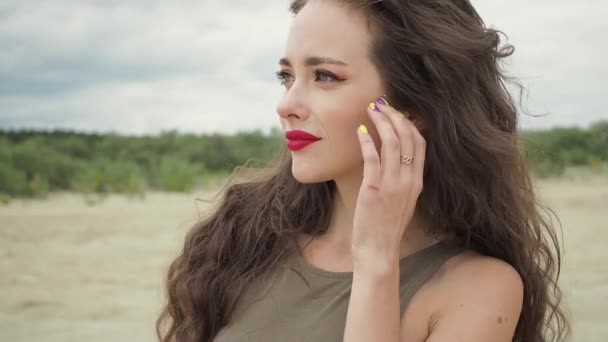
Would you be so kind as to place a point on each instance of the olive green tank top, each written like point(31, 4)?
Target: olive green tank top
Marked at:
point(301, 302)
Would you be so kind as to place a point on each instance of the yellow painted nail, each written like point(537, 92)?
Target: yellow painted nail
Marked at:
point(372, 105)
point(363, 129)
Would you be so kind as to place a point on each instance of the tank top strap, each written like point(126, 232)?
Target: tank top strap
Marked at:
point(420, 268)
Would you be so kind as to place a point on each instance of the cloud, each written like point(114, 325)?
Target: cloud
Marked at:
point(557, 56)
point(204, 66)
point(139, 67)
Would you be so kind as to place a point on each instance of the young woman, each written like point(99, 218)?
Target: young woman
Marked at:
point(402, 209)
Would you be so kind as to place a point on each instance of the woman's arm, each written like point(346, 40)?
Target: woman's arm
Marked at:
point(373, 309)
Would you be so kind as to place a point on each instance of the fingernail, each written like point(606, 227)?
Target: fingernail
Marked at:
point(374, 107)
point(363, 129)
point(382, 101)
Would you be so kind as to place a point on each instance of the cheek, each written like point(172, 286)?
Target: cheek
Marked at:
point(343, 122)
point(357, 116)
point(341, 127)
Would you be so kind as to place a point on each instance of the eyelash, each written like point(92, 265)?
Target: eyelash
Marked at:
point(283, 75)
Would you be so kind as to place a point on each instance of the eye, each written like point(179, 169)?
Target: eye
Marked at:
point(321, 76)
point(283, 76)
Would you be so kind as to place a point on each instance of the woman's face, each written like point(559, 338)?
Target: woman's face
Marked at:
point(325, 98)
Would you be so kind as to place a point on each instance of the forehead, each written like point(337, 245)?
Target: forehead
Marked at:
point(328, 28)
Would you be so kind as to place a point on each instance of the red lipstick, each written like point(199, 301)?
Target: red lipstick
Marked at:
point(297, 140)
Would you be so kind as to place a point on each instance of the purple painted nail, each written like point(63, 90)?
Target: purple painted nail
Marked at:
point(382, 101)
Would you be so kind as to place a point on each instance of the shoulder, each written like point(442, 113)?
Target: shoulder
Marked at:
point(481, 299)
point(471, 271)
point(473, 298)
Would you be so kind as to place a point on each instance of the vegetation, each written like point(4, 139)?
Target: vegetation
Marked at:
point(551, 152)
point(34, 163)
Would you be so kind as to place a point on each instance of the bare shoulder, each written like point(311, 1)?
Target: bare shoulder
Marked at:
point(473, 298)
point(472, 271)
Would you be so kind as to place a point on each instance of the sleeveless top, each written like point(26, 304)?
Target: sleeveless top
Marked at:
point(301, 302)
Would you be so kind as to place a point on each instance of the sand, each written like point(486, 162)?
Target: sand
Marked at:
point(74, 272)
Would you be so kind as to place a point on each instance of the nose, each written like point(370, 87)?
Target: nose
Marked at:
point(293, 105)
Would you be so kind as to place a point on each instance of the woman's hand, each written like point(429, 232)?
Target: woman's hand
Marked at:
point(389, 191)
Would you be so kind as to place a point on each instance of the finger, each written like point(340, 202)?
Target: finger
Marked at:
point(404, 130)
point(418, 164)
point(390, 147)
point(371, 160)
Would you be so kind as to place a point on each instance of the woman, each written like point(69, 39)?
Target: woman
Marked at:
point(423, 228)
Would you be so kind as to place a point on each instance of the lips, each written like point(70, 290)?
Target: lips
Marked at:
point(300, 135)
point(299, 139)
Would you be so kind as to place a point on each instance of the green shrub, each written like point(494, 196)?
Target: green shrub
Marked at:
point(172, 174)
point(547, 168)
point(38, 186)
point(106, 176)
point(13, 181)
point(33, 157)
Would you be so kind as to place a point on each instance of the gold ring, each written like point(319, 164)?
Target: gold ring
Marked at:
point(406, 159)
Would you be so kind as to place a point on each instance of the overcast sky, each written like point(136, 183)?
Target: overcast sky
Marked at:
point(144, 66)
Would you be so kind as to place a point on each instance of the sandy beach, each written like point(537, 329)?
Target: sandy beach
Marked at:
point(75, 272)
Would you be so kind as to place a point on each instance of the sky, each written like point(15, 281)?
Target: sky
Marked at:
point(201, 66)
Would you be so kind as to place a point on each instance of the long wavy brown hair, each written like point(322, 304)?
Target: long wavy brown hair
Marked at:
point(441, 64)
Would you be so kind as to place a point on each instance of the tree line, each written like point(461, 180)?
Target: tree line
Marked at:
point(36, 162)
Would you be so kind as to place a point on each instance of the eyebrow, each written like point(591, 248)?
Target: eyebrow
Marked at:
point(313, 61)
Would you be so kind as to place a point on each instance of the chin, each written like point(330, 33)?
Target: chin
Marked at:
point(309, 174)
